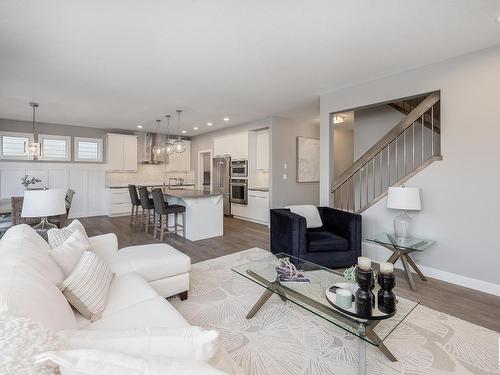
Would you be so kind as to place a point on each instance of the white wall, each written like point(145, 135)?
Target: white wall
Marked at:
point(343, 150)
point(459, 194)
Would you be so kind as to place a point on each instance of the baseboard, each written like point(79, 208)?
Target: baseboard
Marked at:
point(250, 220)
point(380, 254)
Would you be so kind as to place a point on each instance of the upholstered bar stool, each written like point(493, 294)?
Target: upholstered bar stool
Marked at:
point(163, 209)
point(134, 199)
point(147, 206)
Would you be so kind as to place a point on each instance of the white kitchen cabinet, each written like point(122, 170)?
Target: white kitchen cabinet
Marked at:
point(118, 202)
point(180, 162)
point(262, 150)
point(121, 152)
point(257, 209)
point(235, 145)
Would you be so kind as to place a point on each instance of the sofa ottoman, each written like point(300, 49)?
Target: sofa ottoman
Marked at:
point(165, 268)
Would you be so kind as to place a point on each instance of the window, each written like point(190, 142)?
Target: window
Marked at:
point(88, 149)
point(12, 145)
point(55, 147)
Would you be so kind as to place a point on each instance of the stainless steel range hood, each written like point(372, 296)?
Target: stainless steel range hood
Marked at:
point(150, 140)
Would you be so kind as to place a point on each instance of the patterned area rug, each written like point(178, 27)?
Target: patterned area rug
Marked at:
point(285, 339)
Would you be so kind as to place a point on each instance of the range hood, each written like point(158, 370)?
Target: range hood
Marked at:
point(150, 140)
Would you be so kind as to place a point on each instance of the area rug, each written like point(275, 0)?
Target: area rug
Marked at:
point(285, 339)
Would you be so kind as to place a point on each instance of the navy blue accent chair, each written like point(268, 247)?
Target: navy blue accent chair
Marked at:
point(336, 244)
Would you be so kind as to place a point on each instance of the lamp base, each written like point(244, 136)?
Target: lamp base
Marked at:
point(43, 226)
point(402, 224)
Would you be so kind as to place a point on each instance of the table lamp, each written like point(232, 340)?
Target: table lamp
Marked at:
point(43, 203)
point(403, 198)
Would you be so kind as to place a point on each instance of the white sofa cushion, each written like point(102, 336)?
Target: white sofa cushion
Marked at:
point(20, 340)
point(310, 213)
point(154, 312)
point(22, 245)
point(57, 236)
point(69, 253)
point(152, 262)
point(87, 287)
point(181, 342)
point(95, 362)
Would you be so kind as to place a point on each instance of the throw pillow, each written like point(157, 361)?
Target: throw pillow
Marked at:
point(21, 339)
point(190, 342)
point(57, 236)
point(69, 253)
point(310, 213)
point(96, 362)
point(87, 287)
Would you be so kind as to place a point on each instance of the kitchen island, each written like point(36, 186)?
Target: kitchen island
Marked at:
point(204, 212)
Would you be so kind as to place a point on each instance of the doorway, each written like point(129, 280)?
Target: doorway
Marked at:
point(205, 170)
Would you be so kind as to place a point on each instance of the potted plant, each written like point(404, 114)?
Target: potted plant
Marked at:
point(26, 181)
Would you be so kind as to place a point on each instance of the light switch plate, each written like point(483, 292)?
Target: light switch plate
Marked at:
point(285, 177)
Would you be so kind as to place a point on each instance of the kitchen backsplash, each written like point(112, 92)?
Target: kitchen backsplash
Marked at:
point(147, 173)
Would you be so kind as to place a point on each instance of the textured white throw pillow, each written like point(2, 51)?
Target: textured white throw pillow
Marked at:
point(57, 236)
point(21, 339)
point(191, 342)
point(69, 253)
point(310, 213)
point(95, 362)
point(87, 287)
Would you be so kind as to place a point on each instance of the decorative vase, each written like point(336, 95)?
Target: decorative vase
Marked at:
point(364, 296)
point(386, 297)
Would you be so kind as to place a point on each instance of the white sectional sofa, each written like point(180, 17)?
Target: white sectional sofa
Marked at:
point(144, 276)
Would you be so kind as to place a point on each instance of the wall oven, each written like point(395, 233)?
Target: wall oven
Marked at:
point(239, 168)
point(239, 191)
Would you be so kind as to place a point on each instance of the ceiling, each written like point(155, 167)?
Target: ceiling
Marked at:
point(120, 63)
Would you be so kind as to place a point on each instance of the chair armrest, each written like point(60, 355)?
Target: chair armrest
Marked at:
point(343, 223)
point(288, 232)
point(105, 245)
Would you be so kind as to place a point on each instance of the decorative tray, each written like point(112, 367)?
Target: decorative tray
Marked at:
point(376, 313)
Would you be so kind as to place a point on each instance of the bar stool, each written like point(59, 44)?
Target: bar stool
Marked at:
point(134, 199)
point(147, 206)
point(162, 208)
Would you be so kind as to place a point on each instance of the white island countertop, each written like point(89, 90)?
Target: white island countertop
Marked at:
point(204, 212)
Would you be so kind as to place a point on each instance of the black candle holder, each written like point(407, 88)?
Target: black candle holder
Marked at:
point(386, 297)
point(364, 296)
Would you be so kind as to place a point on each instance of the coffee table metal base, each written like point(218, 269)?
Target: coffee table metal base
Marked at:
point(365, 329)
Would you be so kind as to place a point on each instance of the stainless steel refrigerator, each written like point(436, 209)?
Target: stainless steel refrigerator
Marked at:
point(221, 179)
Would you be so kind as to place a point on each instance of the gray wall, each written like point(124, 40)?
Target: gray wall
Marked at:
point(460, 200)
point(343, 150)
point(284, 133)
point(371, 124)
point(55, 129)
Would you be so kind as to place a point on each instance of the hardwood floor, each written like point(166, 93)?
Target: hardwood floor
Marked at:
point(479, 308)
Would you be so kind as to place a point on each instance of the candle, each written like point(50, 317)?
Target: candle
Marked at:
point(386, 268)
point(364, 263)
point(343, 298)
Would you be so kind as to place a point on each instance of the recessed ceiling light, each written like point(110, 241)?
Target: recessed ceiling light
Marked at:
point(226, 119)
point(183, 132)
point(195, 128)
point(209, 124)
point(140, 126)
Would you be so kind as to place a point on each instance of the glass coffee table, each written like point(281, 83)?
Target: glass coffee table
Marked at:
point(312, 297)
point(402, 248)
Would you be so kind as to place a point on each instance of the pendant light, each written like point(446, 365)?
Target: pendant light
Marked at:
point(168, 146)
point(33, 149)
point(179, 145)
point(157, 148)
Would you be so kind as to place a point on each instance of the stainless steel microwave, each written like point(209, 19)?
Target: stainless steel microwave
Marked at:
point(239, 168)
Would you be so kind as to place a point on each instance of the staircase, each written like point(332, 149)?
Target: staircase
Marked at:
point(409, 147)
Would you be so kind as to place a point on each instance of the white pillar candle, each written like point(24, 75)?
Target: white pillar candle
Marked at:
point(343, 298)
point(364, 263)
point(386, 268)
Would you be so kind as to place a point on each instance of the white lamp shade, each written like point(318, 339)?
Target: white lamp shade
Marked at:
point(43, 203)
point(404, 198)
